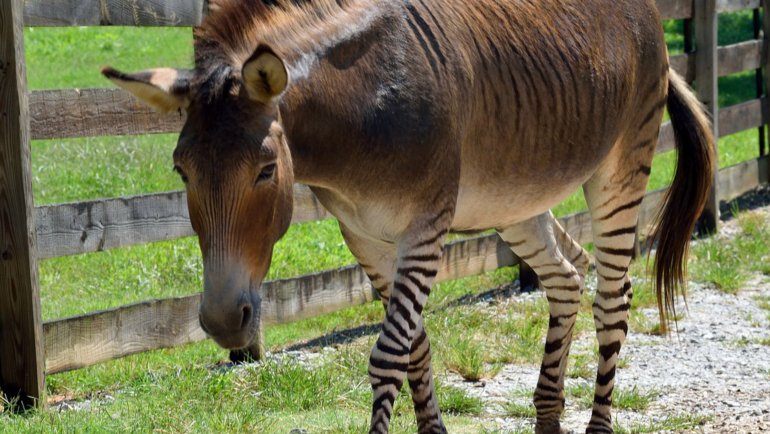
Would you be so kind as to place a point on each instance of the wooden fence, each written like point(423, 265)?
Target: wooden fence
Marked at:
point(30, 348)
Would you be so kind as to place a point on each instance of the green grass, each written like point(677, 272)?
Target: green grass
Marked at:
point(727, 263)
point(672, 423)
point(622, 398)
point(516, 409)
point(179, 390)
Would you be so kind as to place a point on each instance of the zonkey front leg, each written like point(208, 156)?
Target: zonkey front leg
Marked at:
point(403, 349)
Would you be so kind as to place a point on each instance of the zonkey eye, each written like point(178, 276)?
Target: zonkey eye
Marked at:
point(181, 173)
point(266, 173)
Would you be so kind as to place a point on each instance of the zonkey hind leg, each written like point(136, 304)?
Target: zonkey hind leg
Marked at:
point(614, 194)
point(548, 249)
point(378, 259)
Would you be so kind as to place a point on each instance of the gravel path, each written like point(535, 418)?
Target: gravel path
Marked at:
point(715, 370)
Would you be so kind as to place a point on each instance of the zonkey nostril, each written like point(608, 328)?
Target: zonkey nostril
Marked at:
point(246, 316)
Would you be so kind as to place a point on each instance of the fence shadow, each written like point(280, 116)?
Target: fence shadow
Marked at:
point(757, 198)
point(341, 337)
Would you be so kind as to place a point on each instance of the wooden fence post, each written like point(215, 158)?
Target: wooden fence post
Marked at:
point(706, 85)
point(761, 131)
point(22, 371)
point(765, 62)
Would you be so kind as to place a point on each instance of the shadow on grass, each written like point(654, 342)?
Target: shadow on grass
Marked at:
point(757, 198)
point(342, 337)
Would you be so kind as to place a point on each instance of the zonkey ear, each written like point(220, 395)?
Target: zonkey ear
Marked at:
point(164, 89)
point(264, 75)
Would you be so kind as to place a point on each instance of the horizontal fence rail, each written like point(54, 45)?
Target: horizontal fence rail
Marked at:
point(92, 226)
point(66, 113)
point(114, 12)
point(190, 12)
point(84, 340)
point(98, 225)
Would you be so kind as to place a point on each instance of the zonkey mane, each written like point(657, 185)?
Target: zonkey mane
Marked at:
point(292, 28)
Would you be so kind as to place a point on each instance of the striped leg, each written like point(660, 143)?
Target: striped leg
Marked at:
point(614, 194)
point(537, 241)
point(420, 375)
point(572, 250)
point(614, 234)
point(378, 260)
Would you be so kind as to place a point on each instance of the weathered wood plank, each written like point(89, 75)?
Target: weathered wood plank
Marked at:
point(743, 116)
point(21, 351)
point(97, 225)
point(706, 86)
point(732, 119)
point(80, 341)
point(77, 342)
point(684, 64)
point(666, 141)
point(190, 12)
point(742, 177)
point(67, 113)
point(96, 337)
point(114, 12)
point(91, 226)
point(743, 56)
point(64, 113)
point(765, 64)
point(578, 226)
point(726, 6)
point(675, 9)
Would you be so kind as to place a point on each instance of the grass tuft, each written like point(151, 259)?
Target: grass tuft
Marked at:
point(718, 262)
point(466, 358)
point(516, 409)
point(675, 423)
point(453, 400)
point(633, 399)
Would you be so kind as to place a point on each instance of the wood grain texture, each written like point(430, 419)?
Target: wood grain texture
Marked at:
point(114, 12)
point(65, 113)
point(77, 342)
point(98, 225)
point(684, 64)
point(765, 57)
point(68, 113)
point(743, 116)
point(21, 350)
point(190, 12)
point(726, 6)
point(742, 177)
point(92, 226)
point(96, 337)
point(675, 9)
point(666, 141)
point(84, 340)
point(732, 119)
point(743, 56)
point(706, 86)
